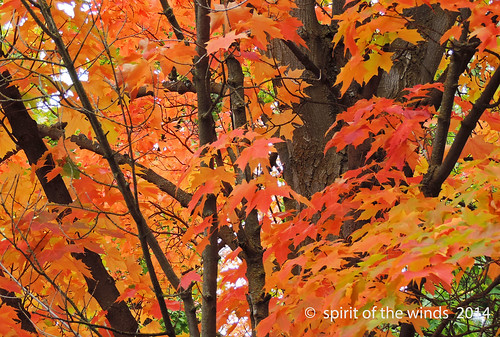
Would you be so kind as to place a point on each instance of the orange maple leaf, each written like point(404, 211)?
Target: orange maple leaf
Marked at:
point(223, 42)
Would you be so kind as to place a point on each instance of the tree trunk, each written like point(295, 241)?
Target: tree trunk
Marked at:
point(306, 169)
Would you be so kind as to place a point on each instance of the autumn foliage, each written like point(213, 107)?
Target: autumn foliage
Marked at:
point(190, 168)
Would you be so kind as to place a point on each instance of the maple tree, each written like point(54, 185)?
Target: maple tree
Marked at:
point(191, 168)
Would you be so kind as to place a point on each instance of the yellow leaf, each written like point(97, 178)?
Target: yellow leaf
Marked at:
point(152, 327)
point(422, 166)
point(385, 61)
point(410, 35)
point(263, 70)
point(76, 122)
point(216, 175)
point(109, 129)
point(180, 56)
point(6, 144)
point(285, 122)
point(368, 213)
point(376, 61)
point(223, 42)
point(453, 32)
point(54, 173)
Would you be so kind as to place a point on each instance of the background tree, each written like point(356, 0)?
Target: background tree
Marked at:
point(194, 169)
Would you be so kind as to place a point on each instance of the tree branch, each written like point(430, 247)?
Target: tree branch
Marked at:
point(258, 299)
point(464, 304)
point(10, 298)
point(145, 235)
point(180, 86)
point(435, 96)
point(101, 286)
point(303, 58)
point(235, 80)
point(435, 178)
point(443, 125)
point(147, 174)
point(249, 234)
point(169, 13)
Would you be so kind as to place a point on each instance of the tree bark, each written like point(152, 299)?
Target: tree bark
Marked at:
point(306, 169)
point(417, 64)
point(207, 134)
point(250, 230)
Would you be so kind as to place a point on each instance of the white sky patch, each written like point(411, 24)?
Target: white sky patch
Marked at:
point(83, 75)
point(68, 8)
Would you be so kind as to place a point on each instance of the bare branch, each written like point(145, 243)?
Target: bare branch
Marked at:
point(466, 303)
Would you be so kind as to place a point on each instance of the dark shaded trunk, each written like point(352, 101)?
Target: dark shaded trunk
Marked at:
point(258, 299)
point(207, 134)
point(249, 232)
point(306, 169)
